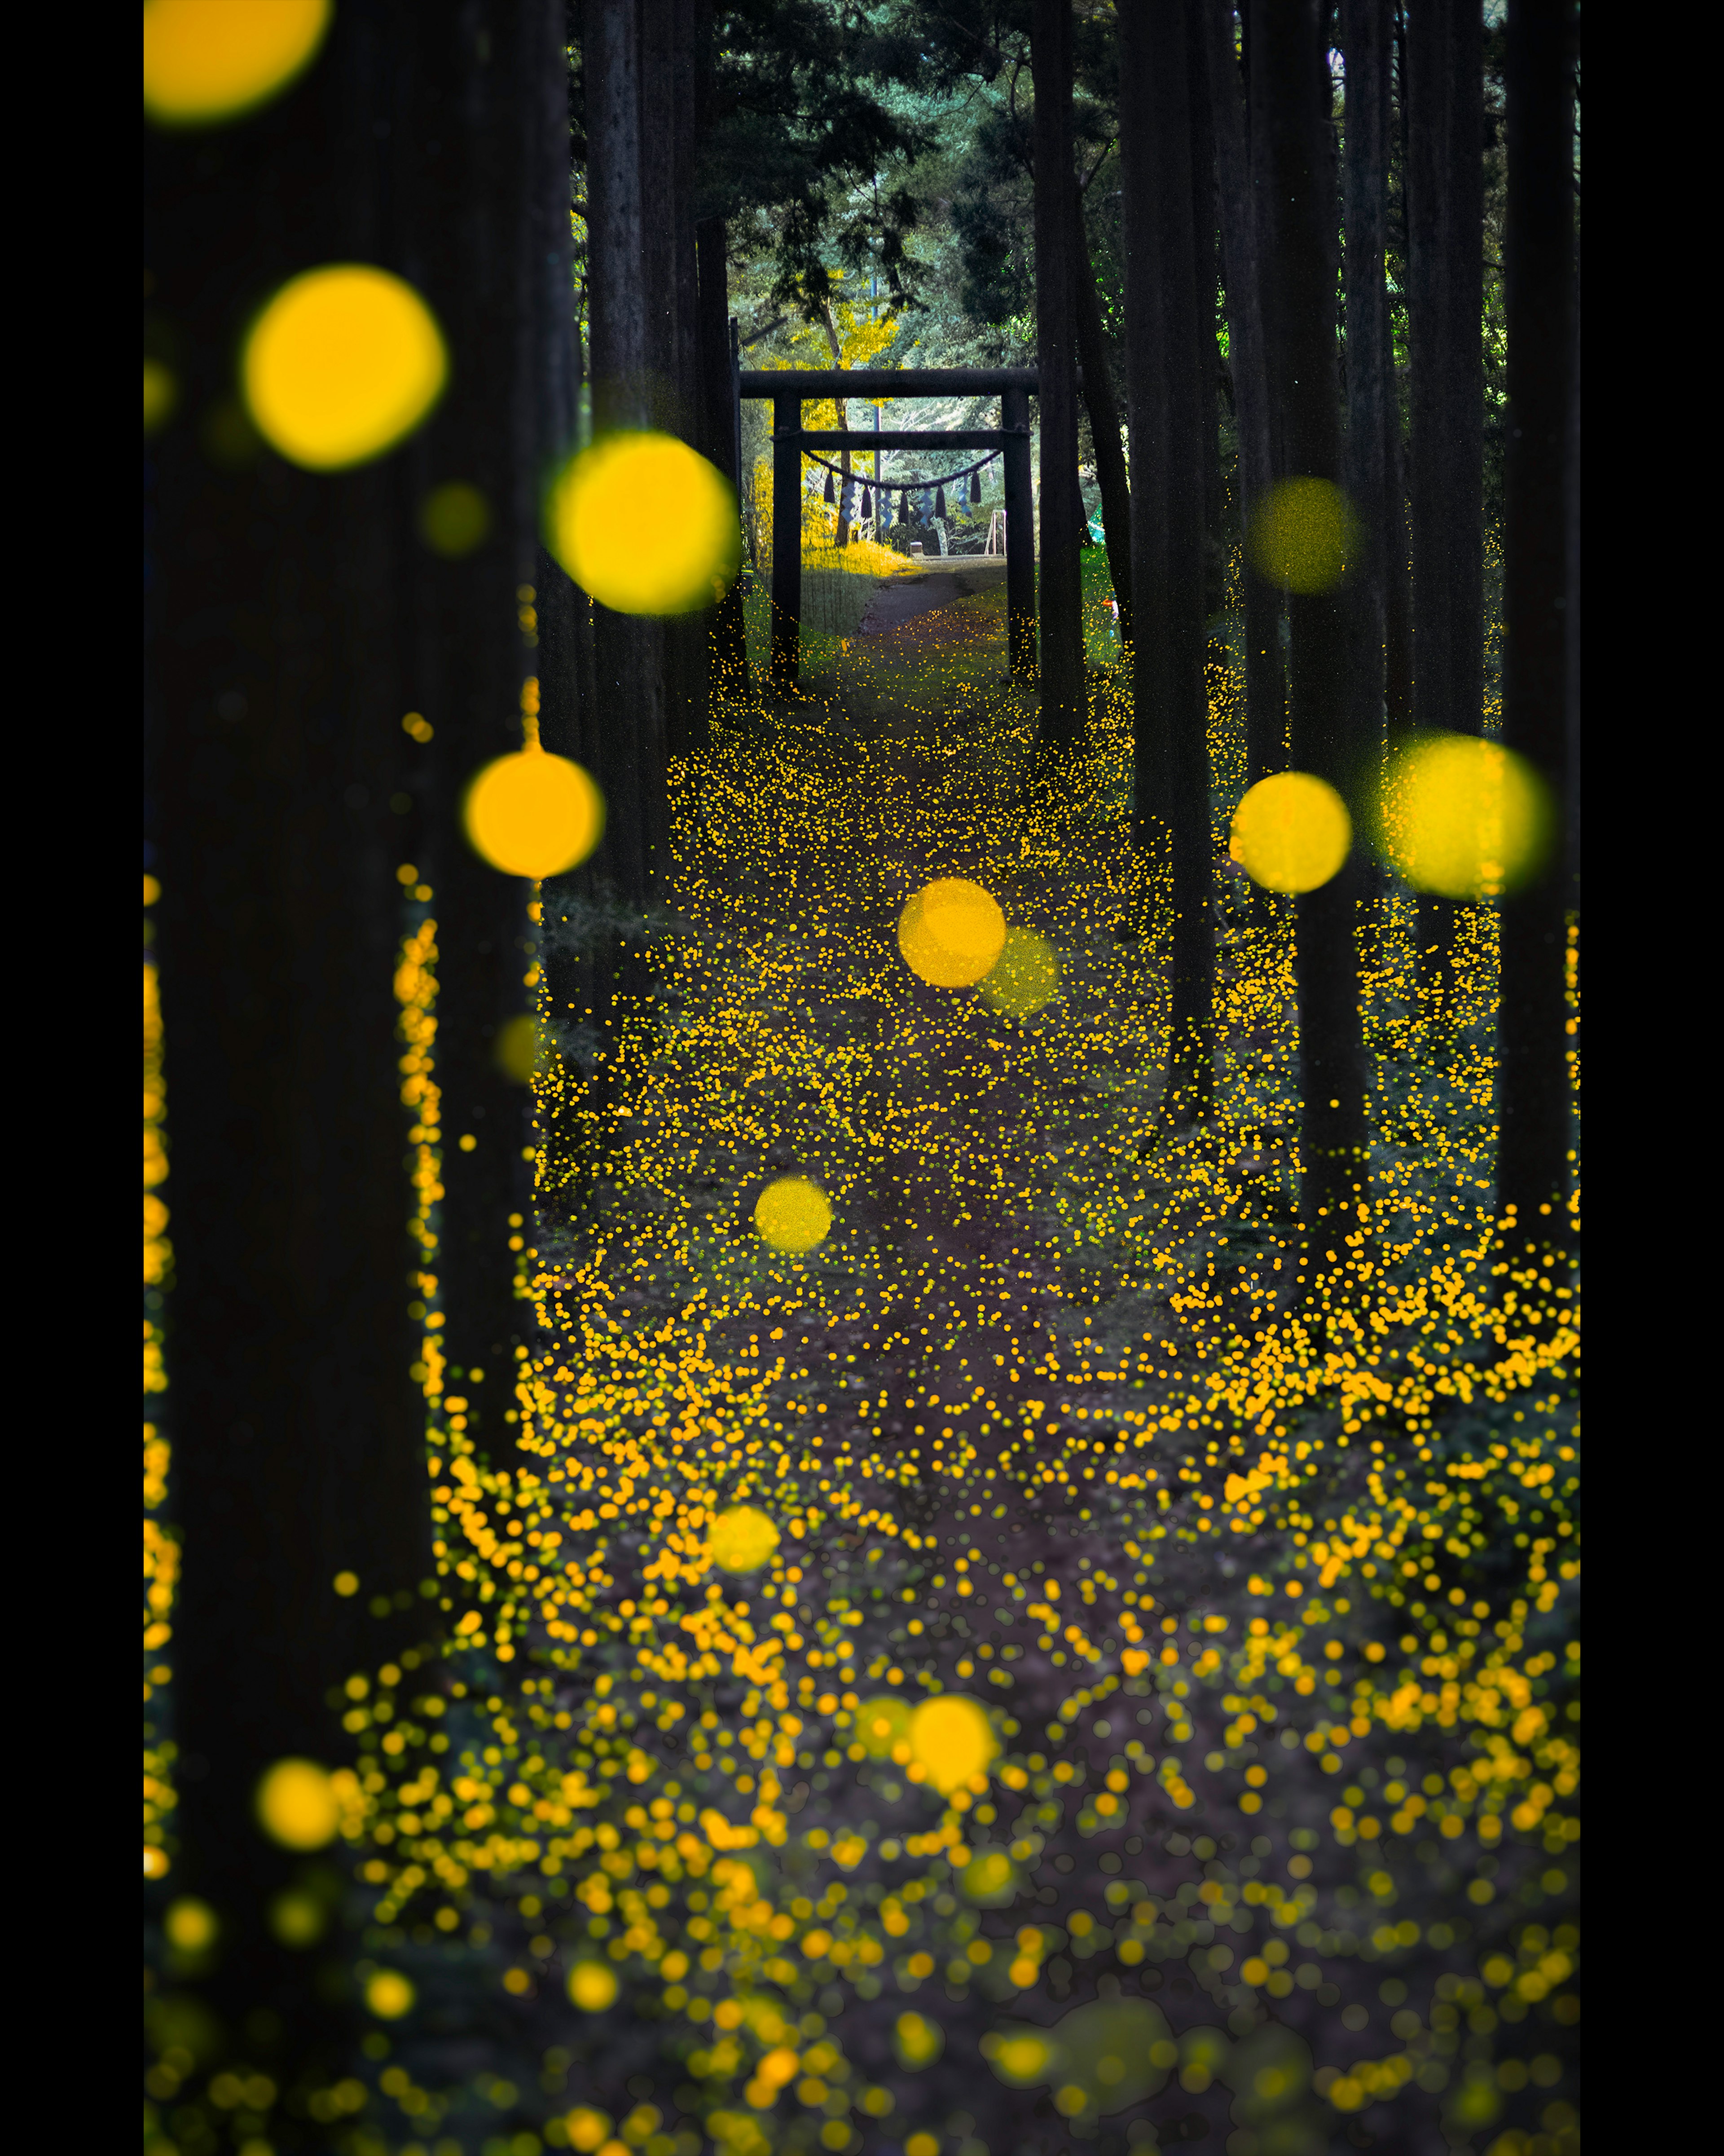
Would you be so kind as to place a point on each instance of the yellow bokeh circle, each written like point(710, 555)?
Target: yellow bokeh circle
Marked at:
point(389, 1995)
point(520, 1047)
point(952, 1741)
point(918, 2041)
point(297, 1804)
point(1019, 2057)
point(1303, 534)
point(341, 364)
point(1291, 833)
point(1465, 818)
point(741, 1539)
point(989, 1879)
point(882, 1725)
point(454, 519)
point(644, 524)
point(793, 1214)
point(210, 60)
point(191, 1925)
point(161, 395)
point(532, 814)
point(298, 1919)
point(952, 933)
point(1025, 977)
point(591, 1986)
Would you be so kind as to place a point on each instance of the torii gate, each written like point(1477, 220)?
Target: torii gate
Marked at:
point(786, 388)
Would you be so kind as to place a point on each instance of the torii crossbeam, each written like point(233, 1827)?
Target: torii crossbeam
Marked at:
point(787, 388)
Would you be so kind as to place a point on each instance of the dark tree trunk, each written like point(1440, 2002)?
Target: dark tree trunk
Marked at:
point(1367, 29)
point(1104, 428)
point(1445, 303)
point(1266, 683)
point(1289, 55)
point(627, 652)
point(294, 619)
point(1207, 270)
point(1532, 1159)
point(1171, 706)
point(727, 640)
point(1060, 587)
point(685, 635)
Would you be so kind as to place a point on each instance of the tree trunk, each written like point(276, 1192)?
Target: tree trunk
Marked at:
point(1533, 1158)
point(727, 639)
point(1171, 706)
point(628, 677)
point(1207, 271)
point(1289, 59)
point(1366, 26)
point(1266, 683)
point(1104, 428)
point(290, 626)
point(840, 405)
point(1445, 304)
point(1060, 585)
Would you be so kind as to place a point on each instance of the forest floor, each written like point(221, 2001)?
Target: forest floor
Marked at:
point(1266, 1613)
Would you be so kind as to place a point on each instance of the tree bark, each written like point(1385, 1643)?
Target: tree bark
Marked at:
point(627, 652)
point(1445, 304)
point(1059, 569)
point(1170, 809)
point(1206, 272)
point(1265, 683)
point(1532, 1069)
point(1366, 30)
point(727, 640)
point(1104, 428)
point(1288, 61)
point(294, 618)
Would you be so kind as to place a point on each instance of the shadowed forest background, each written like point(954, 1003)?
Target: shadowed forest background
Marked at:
point(862, 1193)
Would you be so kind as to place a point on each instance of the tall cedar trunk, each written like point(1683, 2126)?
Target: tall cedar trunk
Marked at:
point(686, 635)
point(1533, 1158)
point(1206, 269)
point(288, 632)
point(1445, 304)
point(1171, 707)
point(1060, 594)
point(660, 645)
point(1289, 54)
point(1265, 683)
point(1366, 30)
point(1104, 428)
point(628, 682)
point(727, 643)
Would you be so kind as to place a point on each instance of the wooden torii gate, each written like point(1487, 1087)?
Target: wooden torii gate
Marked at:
point(786, 388)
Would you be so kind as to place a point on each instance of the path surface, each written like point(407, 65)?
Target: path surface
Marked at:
point(1034, 1430)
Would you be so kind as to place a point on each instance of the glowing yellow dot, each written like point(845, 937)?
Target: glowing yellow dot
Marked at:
point(190, 1924)
point(591, 1986)
point(297, 1804)
point(645, 524)
point(1018, 2059)
point(342, 363)
point(881, 1725)
point(346, 1583)
point(1303, 534)
point(792, 1214)
point(950, 933)
point(1025, 977)
point(519, 1048)
point(155, 1862)
point(741, 1539)
point(530, 815)
point(389, 1995)
point(918, 2042)
point(990, 1879)
point(210, 60)
point(1291, 833)
point(951, 1738)
point(297, 1918)
point(454, 519)
point(1465, 816)
point(160, 394)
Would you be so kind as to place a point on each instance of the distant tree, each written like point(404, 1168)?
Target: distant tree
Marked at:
point(1539, 514)
point(1164, 360)
point(1290, 69)
point(1446, 305)
point(1265, 685)
point(1060, 603)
